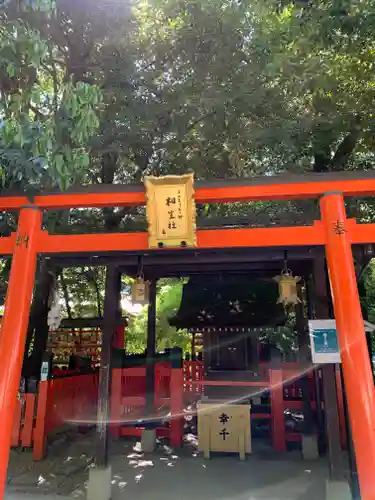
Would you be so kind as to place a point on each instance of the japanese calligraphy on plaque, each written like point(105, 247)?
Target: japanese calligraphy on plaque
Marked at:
point(171, 211)
point(224, 419)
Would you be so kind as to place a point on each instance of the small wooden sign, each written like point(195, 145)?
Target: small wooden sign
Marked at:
point(224, 427)
point(140, 289)
point(171, 211)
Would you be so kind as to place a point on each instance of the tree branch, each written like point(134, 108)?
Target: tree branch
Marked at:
point(91, 279)
point(38, 114)
point(200, 119)
point(97, 297)
point(55, 83)
point(345, 149)
point(323, 160)
point(321, 163)
point(66, 295)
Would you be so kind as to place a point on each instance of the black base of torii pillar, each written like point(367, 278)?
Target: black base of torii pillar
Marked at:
point(100, 477)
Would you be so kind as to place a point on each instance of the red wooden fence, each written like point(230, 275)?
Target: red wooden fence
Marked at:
point(64, 401)
point(23, 423)
point(73, 399)
point(193, 378)
point(283, 385)
point(59, 402)
point(128, 401)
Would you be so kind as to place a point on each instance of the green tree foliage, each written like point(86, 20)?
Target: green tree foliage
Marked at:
point(82, 291)
point(82, 295)
point(222, 88)
point(97, 92)
point(167, 304)
point(231, 89)
point(47, 117)
point(250, 87)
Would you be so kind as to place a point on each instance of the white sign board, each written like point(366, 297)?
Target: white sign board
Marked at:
point(323, 341)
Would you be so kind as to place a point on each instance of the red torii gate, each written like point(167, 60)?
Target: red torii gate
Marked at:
point(334, 231)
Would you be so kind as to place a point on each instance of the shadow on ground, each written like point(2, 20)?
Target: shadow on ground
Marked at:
point(166, 474)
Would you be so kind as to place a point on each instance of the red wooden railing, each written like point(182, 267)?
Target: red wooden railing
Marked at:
point(23, 423)
point(68, 400)
point(64, 401)
point(162, 382)
point(128, 401)
point(73, 399)
point(283, 385)
point(274, 384)
point(193, 378)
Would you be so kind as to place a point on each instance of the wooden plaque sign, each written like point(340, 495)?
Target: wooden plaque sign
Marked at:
point(171, 211)
point(140, 291)
point(224, 427)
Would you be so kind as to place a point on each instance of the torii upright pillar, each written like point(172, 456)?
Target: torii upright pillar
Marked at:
point(351, 334)
point(14, 326)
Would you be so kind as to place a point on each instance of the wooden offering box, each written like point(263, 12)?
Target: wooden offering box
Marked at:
point(224, 427)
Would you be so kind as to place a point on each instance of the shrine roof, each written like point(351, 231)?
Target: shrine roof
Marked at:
point(233, 301)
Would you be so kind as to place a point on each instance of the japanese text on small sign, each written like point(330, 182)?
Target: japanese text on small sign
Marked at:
point(224, 419)
point(224, 433)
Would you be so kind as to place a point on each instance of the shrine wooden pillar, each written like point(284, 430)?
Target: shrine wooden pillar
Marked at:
point(99, 485)
point(207, 351)
point(14, 326)
point(309, 434)
point(356, 366)
point(193, 353)
point(311, 297)
point(151, 349)
point(176, 398)
point(149, 434)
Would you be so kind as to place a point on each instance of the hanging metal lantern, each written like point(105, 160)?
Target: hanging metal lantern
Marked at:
point(140, 291)
point(287, 287)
